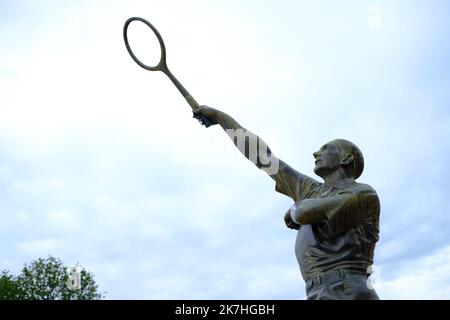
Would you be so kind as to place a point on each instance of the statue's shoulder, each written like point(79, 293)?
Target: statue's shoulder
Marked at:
point(369, 198)
point(363, 188)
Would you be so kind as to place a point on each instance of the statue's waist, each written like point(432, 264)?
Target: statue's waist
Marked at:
point(317, 279)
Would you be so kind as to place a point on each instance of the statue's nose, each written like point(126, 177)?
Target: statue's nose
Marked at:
point(316, 154)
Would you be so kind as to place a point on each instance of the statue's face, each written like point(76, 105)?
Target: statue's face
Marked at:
point(327, 159)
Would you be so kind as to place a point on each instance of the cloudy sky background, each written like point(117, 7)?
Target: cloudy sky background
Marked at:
point(101, 162)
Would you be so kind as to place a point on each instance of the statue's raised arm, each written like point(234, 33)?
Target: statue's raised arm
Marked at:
point(288, 180)
point(257, 151)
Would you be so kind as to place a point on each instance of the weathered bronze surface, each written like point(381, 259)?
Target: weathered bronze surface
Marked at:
point(337, 220)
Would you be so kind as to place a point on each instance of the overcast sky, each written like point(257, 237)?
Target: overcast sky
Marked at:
point(101, 162)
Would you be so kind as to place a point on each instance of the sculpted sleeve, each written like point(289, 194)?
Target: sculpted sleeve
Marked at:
point(294, 184)
point(362, 205)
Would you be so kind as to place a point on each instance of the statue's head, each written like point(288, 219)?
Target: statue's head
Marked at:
point(339, 154)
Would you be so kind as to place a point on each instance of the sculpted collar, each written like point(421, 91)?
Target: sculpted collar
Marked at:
point(340, 185)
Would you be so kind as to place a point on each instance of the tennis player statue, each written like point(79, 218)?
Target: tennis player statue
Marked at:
point(337, 220)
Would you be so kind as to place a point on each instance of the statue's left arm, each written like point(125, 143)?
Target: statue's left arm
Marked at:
point(344, 210)
point(310, 211)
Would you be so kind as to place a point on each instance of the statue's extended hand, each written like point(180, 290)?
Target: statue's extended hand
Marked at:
point(289, 222)
point(206, 115)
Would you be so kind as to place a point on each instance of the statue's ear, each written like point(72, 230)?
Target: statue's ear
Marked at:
point(347, 160)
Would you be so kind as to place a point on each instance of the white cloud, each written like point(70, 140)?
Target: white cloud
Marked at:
point(40, 247)
point(424, 278)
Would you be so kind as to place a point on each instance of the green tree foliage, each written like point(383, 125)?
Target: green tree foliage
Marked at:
point(9, 287)
point(49, 279)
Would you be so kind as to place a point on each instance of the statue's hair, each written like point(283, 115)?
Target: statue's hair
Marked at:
point(346, 147)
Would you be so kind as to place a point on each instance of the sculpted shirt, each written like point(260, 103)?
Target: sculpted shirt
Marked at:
point(346, 237)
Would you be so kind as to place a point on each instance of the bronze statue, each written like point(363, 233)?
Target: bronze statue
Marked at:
point(337, 221)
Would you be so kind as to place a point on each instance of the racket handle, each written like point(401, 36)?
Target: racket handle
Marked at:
point(207, 122)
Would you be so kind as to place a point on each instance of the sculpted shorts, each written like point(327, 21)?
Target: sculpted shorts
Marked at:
point(339, 285)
